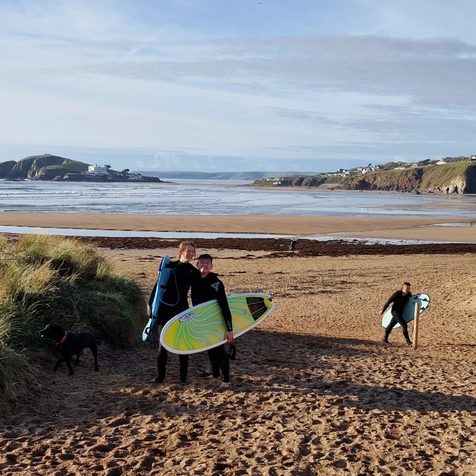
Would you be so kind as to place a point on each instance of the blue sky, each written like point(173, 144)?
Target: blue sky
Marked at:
point(225, 85)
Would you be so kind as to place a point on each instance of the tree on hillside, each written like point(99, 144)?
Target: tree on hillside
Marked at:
point(389, 166)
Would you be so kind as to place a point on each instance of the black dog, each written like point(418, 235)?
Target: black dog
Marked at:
point(71, 343)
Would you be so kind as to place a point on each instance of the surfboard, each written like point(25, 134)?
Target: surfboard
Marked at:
point(408, 310)
point(202, 327)
point(162, 280)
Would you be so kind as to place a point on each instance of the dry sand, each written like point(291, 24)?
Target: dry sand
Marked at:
point(314, 390)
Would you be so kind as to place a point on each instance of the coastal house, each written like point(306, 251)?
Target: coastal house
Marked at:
point(342, 172)
point(366, 170)
point(97, 170)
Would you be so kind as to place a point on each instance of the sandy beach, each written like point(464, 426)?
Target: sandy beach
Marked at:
point(395, 228)
point(314, 391)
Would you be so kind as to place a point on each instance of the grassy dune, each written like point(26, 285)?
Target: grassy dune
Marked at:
point(45, 280)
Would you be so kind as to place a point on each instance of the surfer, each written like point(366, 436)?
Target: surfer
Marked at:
point(174, 301)
point(399, 299)
point(205, 289)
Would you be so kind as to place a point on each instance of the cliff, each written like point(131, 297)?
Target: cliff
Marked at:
point(453, 177)
point(6, 168)
point(40, 167)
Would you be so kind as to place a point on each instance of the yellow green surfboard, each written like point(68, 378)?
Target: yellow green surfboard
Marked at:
point(202, 327)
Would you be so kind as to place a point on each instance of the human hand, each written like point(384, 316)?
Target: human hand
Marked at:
point(229, 337)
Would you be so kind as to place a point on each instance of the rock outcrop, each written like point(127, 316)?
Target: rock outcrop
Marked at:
point(44, 167)
point(40, 167)
point(6, 169)
point(53, 167)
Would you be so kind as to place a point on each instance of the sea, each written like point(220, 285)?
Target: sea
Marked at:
point(196, 197)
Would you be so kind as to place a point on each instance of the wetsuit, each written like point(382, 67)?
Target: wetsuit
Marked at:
point(206, 289)
point(174, 301)
point(399, 300)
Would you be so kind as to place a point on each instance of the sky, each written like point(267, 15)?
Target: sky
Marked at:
point(237, 85)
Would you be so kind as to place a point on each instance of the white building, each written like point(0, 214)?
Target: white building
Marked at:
point(97, 170)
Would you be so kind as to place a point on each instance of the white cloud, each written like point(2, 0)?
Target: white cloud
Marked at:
point(311, 81)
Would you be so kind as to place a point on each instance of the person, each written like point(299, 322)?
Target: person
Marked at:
point(174, 301)
point(292, 245)
point(399, 299)
point(209, 287)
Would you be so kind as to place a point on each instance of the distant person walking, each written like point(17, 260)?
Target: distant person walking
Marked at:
point(292, 245)
point(398, 300)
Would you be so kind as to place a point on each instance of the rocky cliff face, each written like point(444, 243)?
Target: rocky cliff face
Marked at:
point(6, 169)
point(30, 167)
point(405, 180)
point(40, 167)
point(459, 177)
point(455, 177)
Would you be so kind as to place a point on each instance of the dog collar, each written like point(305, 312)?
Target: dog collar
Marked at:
point(64, 338)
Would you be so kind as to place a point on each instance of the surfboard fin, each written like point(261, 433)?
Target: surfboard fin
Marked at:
point(256, 306)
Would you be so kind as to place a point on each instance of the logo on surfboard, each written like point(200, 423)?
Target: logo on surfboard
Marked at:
point(187, 317)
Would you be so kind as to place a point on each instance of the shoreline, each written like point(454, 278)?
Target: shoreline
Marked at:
point(388, 228)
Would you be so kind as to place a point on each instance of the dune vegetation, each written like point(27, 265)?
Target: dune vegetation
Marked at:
point(44, 280)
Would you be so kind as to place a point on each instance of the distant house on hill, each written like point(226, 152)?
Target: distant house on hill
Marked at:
point(342, 172)
point(97, 170)
point(367, 170)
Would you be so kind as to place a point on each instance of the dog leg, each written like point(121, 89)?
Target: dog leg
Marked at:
point(58, 362)
point(68, 363)
point(69, 367)
point(94, 350)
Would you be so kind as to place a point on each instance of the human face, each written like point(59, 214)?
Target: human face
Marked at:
point(187, 254)
point(405, 289)
point(204, 266)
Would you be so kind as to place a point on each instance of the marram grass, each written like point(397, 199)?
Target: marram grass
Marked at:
point(47, 279)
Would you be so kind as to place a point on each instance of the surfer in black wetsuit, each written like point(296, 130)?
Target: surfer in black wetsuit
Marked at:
point(399, 299)
point(174, 301)
point(209, 287)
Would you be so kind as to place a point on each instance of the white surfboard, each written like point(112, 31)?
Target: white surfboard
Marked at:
point(408, 310)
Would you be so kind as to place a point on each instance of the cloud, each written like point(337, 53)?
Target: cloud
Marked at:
point(313, 80)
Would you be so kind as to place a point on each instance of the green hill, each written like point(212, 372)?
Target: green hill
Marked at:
point(453, 177)
point(41, 167)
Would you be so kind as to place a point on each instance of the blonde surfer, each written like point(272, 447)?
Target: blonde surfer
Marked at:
point(174, 301)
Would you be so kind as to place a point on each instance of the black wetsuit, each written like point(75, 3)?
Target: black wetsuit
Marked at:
point(174, 301)
point(206, 289)
point(399, 300)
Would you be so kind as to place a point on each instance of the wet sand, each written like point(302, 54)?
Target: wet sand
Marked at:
point(395, 228)
point(314, 389)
